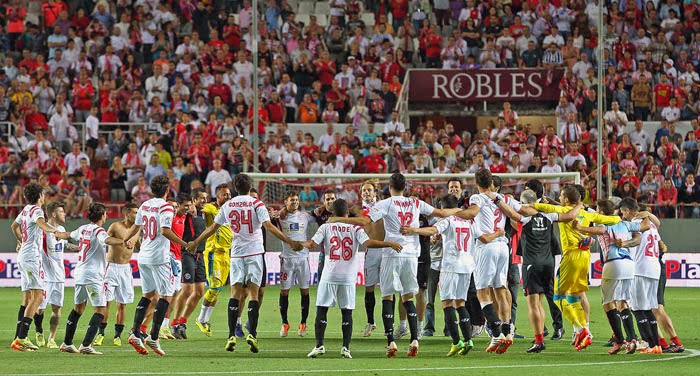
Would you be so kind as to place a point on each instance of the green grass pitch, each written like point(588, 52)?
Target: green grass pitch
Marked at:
point(200, 355)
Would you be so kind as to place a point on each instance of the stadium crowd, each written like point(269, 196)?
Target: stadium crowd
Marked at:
point(185, 68)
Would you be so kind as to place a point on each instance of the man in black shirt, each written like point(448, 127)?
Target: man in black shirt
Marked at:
point(193, 274)
point(538, 247)
point(321, 215)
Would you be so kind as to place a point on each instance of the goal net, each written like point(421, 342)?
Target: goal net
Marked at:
point(273, 187)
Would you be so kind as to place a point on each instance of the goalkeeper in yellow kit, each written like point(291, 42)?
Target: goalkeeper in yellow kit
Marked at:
point(217, 259)
point(571, 282)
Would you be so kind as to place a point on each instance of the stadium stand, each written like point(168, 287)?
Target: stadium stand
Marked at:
point(91, 91)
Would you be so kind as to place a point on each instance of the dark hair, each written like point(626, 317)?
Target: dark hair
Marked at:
point(449, 202)
point(242, 184)
point(629, 203)
point(130, 205)
point(483, 178)
point(329, 192)
point(32, 192)
point(253, 190)
point(340, 208)
point(458, 180)
point(197, 191)
point(397, 182)
point(571, 193)
point(606, 207)
point(221, 186)
point(51, 207)
point(581, 190)
point(535, 186)
point(497, 182)
point(160, 185)
point(290, 193)
point(96, 211)
point(183, 197)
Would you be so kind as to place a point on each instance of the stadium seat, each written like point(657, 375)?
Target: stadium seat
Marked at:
point(306, 7)
point(303, 18)
point(323, 8)
point(368, 19)
point(322, 19)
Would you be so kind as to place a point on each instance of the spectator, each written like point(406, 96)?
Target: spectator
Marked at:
point(668, 198)
point(689, 197)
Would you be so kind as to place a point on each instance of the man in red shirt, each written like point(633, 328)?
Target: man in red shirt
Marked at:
point(220, 88)
point(497, 166)
point(275, 108)
point(373, 163)
point(263, 118)
point(629, 176)
point(433, 47)
point(662, 94)
point(389, 68)
point(181, 204)
point(309, 147)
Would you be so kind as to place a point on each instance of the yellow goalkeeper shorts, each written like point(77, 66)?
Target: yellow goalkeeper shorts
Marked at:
point(573, 273)
point(217, 265)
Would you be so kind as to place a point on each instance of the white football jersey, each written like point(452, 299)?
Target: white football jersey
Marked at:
point(92, 254)
point(457, 244)
point(398, 211)
point(490, 218)
point(32, 235)
point(245, 215)
point(295, 226)
point(366, 206)
point(646, 255)
point(341, 242)
point(153, 215)
point(52, 257)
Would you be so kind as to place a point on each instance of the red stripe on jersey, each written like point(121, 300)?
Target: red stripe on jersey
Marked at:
point(166, 205)
point(259, 205)
point(31, 212)
point(167, 210)
point(255, 201)
point(416, 201)
point(365, 212)
point(99, 231)
point(357, 227)
point(45, 245)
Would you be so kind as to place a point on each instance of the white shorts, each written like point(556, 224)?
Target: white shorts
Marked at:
point(246, 270)
point(398, 275)
point(96, 293)
point(177, 279)
point(120, 283)
point(454, 286)
point(294, 271)
point(615, 290)
point(31, 275)
point(492, 261)
point(643, 296)
point(53, 294)
point(373, 262)
point(330, 294)
point(158, 278)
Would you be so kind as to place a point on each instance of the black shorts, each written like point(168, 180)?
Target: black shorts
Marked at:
point(422, 274)
point(538, 279)
point(193, 268)
point(92, 143)
point(662, 285)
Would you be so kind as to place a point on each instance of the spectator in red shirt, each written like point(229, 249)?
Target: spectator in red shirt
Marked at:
point(668, 197)
point(497, 166)
point(199, 153)
point(219, 88)
point(662, 94)
point(629, 176)
point(309, 147)
point(275, 108)
point(372, 163)
point(433, 47)
point(389, 68)
point(83, 94)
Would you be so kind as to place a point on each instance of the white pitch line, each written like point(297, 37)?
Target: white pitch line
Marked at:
point(691, 354)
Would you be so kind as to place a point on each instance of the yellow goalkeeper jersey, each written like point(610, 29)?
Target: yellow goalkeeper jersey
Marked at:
point(221, 240)
point(572, 240)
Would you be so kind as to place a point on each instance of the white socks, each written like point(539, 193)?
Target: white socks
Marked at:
point(205, 314)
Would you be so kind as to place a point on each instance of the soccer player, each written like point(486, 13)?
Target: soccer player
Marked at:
point(89, 277)
point(455, 272)
point(181, 204)
point(294, 266)
point(618, 269)
point(492, 260)
point(538, 247)
point(54, 274)
point(373, 257)
point(337, 284)
point(119, 279)
point(571, 282)
point(154, 219)
point(646, 283)
point(398, 270)
point(245, 216)
point(321, 215)
point(27, 229)
point(217, 261)
point(662, 317)
point(193, 271)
